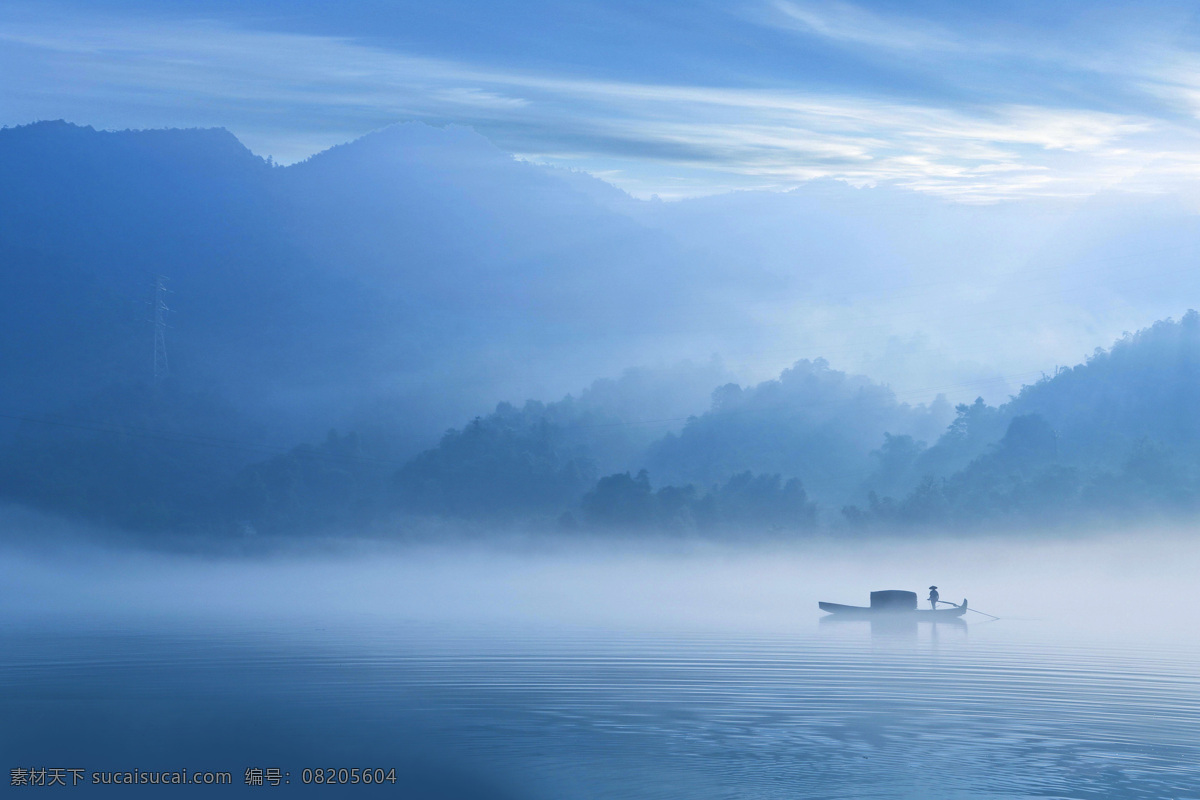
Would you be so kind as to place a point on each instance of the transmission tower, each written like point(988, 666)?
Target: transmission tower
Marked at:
point(159, 318)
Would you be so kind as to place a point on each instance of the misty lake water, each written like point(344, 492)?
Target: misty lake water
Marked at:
point(612, 671)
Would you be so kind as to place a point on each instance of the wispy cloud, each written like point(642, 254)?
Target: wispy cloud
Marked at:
point(289, 95)
point(849, 23)
point(479, 98)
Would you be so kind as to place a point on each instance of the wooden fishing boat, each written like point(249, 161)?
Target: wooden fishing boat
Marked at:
point(894, 603)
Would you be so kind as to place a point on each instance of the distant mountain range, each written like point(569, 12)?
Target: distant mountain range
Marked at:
point(417, 266)
point(403, 283)
point(1115, 438)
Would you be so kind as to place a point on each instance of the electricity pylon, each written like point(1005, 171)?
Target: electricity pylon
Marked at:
point(161, 366)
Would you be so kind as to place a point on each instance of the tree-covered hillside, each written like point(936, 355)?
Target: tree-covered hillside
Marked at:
point(397, 286)
point(814, 423)
point(1112, 437)
point(402, 281)
point(1116, 435)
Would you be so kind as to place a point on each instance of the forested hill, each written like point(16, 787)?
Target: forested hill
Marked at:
point(87, 218)
point(401, 284)
point(1111, 438)
point(385, 280)
point(1117, 435)
point(1145, 386)
point(813, 423)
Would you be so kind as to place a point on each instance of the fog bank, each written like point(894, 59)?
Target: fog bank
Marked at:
point(1125, 584)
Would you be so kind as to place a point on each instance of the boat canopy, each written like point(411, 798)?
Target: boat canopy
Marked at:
point(894, 599)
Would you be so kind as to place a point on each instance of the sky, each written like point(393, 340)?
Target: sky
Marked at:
point(969, 101)
point(1028, 118)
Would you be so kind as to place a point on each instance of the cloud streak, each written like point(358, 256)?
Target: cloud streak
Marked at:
point(848, 23)
point(289, 95)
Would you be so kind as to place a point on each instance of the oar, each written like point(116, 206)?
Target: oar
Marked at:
point(976, 610)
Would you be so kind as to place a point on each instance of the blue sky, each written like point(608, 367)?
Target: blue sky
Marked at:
point(972, 101)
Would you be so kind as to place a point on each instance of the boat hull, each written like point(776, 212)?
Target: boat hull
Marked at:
point(863, 612)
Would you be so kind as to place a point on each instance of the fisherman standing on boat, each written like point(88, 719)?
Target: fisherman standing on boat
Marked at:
point(933, 597)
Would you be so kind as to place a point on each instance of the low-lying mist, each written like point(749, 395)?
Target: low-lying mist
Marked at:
point(1116, 583)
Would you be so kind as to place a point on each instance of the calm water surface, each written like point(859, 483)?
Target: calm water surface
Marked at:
point(513, 705)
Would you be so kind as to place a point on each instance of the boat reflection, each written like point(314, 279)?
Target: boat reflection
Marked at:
point(894, 626)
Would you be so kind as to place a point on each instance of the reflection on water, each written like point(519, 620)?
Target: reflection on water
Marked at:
point(854, 709)
point(607, 674)
point(897, 627)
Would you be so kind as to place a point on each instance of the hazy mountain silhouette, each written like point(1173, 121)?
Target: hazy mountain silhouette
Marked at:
point(814, 423)
point(411, 278)
point(1114, 435)
point(1117, 434)
point(417, 265)
point(402, 283)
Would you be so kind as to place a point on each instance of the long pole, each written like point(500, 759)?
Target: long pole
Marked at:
point(976, 610)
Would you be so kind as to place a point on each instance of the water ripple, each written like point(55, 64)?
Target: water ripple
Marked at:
point(592, 713)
